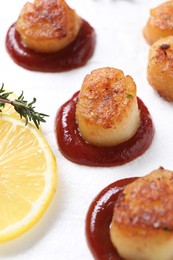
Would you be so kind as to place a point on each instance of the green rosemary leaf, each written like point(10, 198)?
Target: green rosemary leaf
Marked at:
point(22, 107)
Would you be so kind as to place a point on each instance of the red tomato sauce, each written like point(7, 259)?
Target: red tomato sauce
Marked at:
point(73, 56)
point(77, 150)
point(99, 218)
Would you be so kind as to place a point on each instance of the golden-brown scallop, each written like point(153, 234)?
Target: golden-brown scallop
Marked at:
point(48, 25)
point(160, 67)
point(160, 23)
point(142, 225)
point(107, 110)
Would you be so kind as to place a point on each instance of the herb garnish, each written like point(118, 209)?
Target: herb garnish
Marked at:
point(22, 107)
point(129, 95)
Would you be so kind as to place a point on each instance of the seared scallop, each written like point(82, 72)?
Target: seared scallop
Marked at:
point(142, 224)
point(107, 110)
point(160, 67)
point(160, 22)
point(48, 25)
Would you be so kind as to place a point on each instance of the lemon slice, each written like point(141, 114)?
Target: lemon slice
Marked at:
point(27, 177)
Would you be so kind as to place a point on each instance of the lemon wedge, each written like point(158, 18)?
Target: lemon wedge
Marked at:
point(27, 177)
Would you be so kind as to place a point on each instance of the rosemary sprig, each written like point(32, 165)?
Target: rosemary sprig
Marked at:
point(22, 107)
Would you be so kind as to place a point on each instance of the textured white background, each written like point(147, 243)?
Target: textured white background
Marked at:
point(120, 43)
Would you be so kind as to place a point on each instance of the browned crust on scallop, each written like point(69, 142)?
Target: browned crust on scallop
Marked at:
point(105, 96)
point(162, 16)
point(160, 67)
point(147, 203)
point(160, 23)
point(45, 19)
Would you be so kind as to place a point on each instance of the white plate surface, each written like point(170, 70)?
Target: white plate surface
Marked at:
point(60, 234)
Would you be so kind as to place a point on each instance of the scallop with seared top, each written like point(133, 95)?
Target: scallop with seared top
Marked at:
point(48, 26)
point(50, 37)
point(104, 124)
point(160, 23)
point(107, 110)
point(160, 65)
point(142, 225)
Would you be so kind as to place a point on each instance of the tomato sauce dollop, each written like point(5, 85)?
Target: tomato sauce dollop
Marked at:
point(76, 149)
point(75, 55)
point(99, 218)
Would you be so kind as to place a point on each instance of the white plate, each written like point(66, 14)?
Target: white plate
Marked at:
point(60, 234)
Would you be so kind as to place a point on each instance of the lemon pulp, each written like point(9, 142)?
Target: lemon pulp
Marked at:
point(27, 177)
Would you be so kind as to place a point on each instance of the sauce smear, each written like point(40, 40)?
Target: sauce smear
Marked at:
point(73, 56)
point(99, 218)
point(77, 150)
